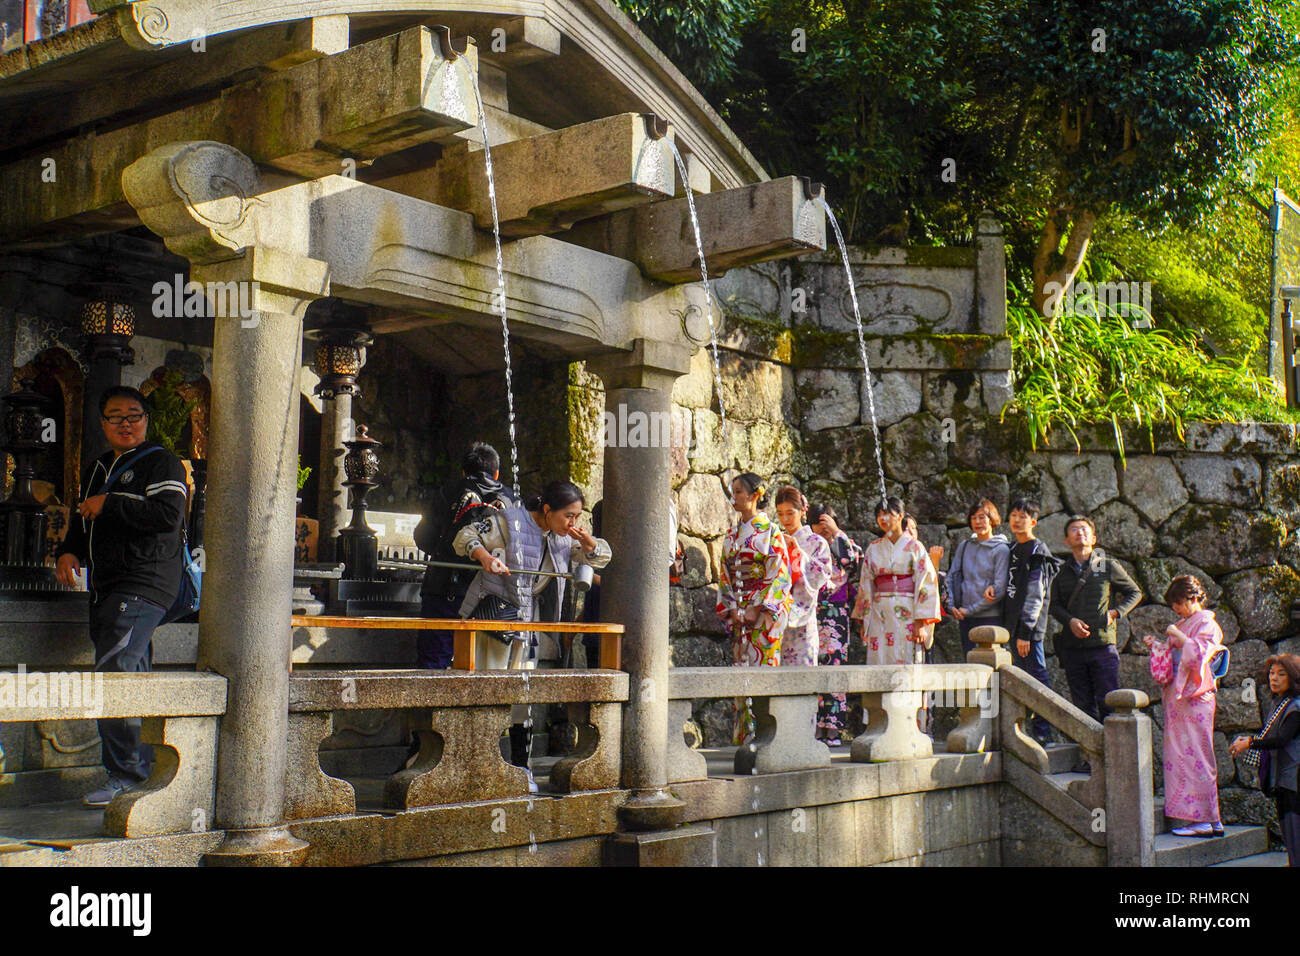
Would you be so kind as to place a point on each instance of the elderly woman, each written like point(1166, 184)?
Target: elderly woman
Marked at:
point(1191, 774)
point(542, 534)
point(1275, 753)
point(799, 644)
point(898, 597)
point(833, 606)
point(754, 595)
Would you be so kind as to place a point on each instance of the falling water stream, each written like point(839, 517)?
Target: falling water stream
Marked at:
point(704, 281)
point(862, 342)
point(499, 296)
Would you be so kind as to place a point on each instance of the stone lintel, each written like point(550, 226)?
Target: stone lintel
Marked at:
point(313, 39)
point(309, 119)
point(546, 183)
point(738, 227)
point(526, 39)
point(650, 364)
point(361, 690)
point(284, 283)
point(160, 694)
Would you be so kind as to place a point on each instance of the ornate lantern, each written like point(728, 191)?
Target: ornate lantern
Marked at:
point(338, 360)
point(358, 543)
point(108, 321)
point(22, 516)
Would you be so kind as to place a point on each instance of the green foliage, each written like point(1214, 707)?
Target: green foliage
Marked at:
point(303, 473)
point(1090, 367)
point(700, 37)
point(169, 414)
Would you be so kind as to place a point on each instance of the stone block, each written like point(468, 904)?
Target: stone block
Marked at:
point(595, 763)
point(946, 498)
point(697, 651)
point(784, 739)
point(895, 396)
point(1152, 485)
point(309, 792)
point(983, 444)
point(1087, 480)
point(693, 845)
point(837, 834)
point(742, 841)
point(1222, 480)
point(771, 448)
point(792, 837)
point(1121, 531)
point(875, 829)
point(1240, 807)
point(999, 390)
point(459, 760)
point(1156, 574)
point(1051, 531)
point(180, 793)
point(1147, 619)
point(828, 397)
point(713, 450)
point(957, 392)
point(683, 762)
point(1221, 539)
point(1262, 598)
point(704, 612)
point(695, 388)
point(703, 507)
point(757, 391)
point(914, 448)
point(696, 570)
point(1032, 480)
point(1282, 490)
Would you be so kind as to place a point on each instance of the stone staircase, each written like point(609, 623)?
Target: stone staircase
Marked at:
point(1239, 845)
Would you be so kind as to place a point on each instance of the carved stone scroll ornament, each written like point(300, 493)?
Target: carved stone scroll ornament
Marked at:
point(199, 196)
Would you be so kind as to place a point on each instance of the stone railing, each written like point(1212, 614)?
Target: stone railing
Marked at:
point(1113, 807)
point(785, 706)
point(463, 718)
point(181, 713)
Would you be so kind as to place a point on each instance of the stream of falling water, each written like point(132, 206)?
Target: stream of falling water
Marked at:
point(862, 342)
point(499, 296)
point(708, 291)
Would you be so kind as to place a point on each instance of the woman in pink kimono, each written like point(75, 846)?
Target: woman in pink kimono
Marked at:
point(1191, 772)
point(898, 598)
point(800, 644)
point(754, 594)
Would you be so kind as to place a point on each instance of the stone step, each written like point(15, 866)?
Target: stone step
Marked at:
point(1236, 843)
point(1275, 858)
point(1061, 757)
point(26, 788)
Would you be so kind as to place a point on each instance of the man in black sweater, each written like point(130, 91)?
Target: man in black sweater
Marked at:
point(128, 534)
point(445, 513)
point(1089, 595)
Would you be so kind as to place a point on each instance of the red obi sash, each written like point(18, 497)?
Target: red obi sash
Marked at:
point(894, 584)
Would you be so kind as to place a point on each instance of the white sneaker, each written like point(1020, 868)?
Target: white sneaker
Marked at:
point(105, 794)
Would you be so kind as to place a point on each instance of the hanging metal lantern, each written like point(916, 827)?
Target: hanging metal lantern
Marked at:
point(337, 360)
point(108, 321)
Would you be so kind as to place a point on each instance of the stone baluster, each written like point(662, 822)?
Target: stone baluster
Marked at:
point(1130, 800)
point(784, 738)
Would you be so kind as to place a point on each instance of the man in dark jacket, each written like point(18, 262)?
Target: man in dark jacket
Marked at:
point(129, 537)
point(1089, 595)
point(1030, 571)
point(446, 511)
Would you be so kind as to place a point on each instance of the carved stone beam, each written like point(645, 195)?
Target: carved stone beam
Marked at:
point(777, 219)
point(306, 120)
point(523, 40)
point(546, 183)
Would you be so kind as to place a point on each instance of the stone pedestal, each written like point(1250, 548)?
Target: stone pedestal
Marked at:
point(1130, 800)
point(695, 845)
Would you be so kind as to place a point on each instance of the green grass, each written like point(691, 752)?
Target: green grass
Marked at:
point(1085, 368)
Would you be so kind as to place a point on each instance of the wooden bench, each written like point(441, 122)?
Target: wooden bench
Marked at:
point(611, 635)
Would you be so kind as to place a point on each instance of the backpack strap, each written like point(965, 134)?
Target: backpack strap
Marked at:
point(122, 467)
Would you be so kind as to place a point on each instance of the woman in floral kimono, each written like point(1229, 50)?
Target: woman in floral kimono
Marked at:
point(833, 623)
point(754, 594)
point(1191, 772)
point(898, 597)
point(799, 644)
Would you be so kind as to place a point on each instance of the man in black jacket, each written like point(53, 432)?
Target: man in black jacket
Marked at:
point(1089, 595)
point(446, 511)
point(129, 536)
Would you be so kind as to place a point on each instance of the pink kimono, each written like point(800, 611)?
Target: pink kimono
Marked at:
point(1191, 772)
point(800, 644)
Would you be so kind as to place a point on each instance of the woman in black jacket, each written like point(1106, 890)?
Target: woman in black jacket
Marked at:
point(1276, 751)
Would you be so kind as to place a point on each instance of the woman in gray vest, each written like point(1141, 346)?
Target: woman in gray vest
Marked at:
point(542, 534)
point(1276, 751)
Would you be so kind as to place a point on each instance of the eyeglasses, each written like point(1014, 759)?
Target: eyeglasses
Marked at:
point(129, 419)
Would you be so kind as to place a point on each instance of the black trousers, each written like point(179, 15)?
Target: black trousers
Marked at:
point(121, 628)
point(1092, 672)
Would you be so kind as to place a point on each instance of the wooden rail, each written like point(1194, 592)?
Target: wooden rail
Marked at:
point(611, 635)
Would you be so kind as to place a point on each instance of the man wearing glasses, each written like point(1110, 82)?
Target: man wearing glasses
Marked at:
point(129, 536)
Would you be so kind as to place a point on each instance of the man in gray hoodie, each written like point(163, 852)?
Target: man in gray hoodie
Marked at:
point(979, 563)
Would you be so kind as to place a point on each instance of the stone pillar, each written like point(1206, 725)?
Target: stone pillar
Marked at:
point(990, 275)
point(634, 589)
point(205, 200)
point(244, 631)
point(332, 496)
point(1130, 800)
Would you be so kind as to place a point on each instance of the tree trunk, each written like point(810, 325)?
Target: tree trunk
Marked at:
point(1059, 275)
